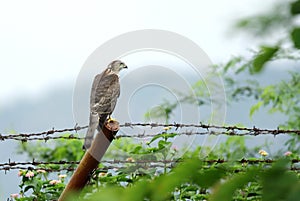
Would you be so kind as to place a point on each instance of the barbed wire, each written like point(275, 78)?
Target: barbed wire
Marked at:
point(149, 163)
point(225, 130)
point(131, 161)
point(68, 169)
point(44, 138)
point(43, 133)
point(106, 168)
point(254, 129)
point(143, 135)
point(208, 130)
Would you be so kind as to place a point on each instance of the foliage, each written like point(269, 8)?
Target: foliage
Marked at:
point(45, 185)
point(192, 178)
point(239, 73)
point(41, 187)
point(164, 110)
point(188, 176)
point(61, 150)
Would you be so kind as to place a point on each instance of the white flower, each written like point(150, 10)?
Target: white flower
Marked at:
point(15, 195)
point(53, 182)
point(263, 152)
point(102, 174)
point(131, 160)
point(288, 153)
point(29, 174)
point(167, 128)
point(20, 173)
point(41, 171)
point(175, 148)
point(61, 176)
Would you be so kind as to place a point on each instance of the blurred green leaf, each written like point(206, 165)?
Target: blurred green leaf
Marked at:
point(280, 179)
point(225, 191)
point(255, 108)
point(163, 135)
point(262, 25)
point(163, 144)
point(294, 193)
point(28, 187)
point(295, 35)
point(207, 178)
point(295, 7)
point(137, 149)
point(265, 55)
point(164, 185)
point(232, 62)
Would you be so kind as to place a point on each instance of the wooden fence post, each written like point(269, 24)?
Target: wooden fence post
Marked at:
point(91, 159)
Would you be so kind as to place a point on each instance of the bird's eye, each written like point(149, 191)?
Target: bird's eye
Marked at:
point(122, 65)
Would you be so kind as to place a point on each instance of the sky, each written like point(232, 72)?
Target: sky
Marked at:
point(45, 43)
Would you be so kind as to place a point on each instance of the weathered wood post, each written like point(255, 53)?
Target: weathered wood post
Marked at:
point(91, 159)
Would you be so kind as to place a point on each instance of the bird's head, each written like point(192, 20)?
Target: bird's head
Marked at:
point(116, 66)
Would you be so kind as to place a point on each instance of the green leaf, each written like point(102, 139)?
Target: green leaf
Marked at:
point(295, 8)
point(226, 190)
point(278, 178)
point(232, 62)
point(137, 193)
point(163, 135)
point(163, 144)
point(162, 186)
point(209, 177)
point(241, 69)
point(28, 188)
point(137, 149)
point(295, 193)
point(295, 36)
point(255, 108)
point(265, 55)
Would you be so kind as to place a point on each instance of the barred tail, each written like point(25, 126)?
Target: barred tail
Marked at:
point(91, 130)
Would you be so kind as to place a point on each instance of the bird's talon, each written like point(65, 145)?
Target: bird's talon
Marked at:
point(111, 120)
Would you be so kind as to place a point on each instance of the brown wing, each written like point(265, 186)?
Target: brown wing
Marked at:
point(93, 90)
point(105, 92)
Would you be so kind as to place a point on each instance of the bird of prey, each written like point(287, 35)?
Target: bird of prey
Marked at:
point(104, 94)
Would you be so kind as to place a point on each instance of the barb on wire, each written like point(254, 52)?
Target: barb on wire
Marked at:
point(44, 133)
point(207, 127)
point(207, 130)
point(144, 135)
point(106, 168)
point(31, 165)
point(68, 169)
point(45, 138)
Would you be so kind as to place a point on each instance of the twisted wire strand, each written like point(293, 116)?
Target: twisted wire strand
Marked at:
point(208, 130)
point(113, 163)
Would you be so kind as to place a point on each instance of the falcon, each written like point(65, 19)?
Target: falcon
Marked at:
point(104, 94)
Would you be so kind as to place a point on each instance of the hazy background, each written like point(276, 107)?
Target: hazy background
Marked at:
point(43, 45)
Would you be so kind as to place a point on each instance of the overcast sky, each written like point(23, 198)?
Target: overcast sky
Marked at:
point(45, 43)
